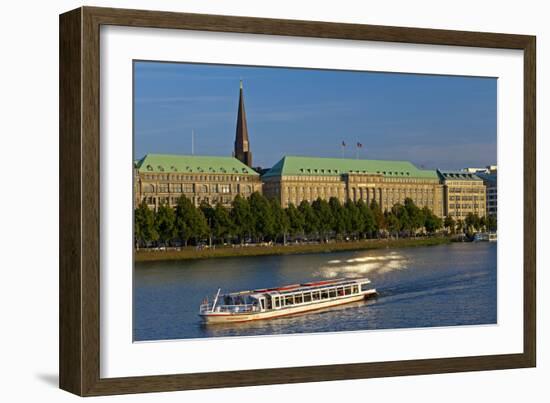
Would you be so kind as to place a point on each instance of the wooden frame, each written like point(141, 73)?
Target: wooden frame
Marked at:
point(80, 184)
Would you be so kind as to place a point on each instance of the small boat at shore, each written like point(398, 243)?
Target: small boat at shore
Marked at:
point(267, 303)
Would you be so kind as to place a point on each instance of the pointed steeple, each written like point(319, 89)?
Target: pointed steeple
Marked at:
point(242, 146)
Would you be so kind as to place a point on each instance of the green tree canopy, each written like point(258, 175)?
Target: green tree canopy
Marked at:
point(491, 223)
point(450, 224)
point(340, 223)
point(144, 227)
point(324, 216)
point(295, 220)
point(432, 223)
point(311, 221)
point(241, 217)
point(281, 223)
point(165, 221)
point(262, 216)
point(366, 217)
point(190, 222)
point(222, 226)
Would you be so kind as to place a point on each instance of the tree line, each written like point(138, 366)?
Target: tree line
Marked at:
point(259, 219)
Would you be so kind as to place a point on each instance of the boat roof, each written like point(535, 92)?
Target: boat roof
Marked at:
point(291, 288)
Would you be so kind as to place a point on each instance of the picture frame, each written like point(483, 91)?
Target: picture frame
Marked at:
point(80, 154)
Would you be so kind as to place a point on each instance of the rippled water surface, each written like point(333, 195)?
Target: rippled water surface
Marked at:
point(443, 285)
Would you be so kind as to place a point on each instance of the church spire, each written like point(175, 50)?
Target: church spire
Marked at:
point(242, 146)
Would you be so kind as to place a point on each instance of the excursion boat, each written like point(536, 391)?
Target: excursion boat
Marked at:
point(245, 306)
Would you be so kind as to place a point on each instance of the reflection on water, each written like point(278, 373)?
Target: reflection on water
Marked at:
point(361, 266)
point(418, 287)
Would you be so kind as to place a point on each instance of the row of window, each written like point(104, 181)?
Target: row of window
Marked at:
point(194, 188)
point(480, 189)
point(150, 200)
point(466, 206)
point(305, 297)
point(467, 198)
point(203, 178)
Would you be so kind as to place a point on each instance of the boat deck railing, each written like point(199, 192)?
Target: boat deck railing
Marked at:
point(241, 308)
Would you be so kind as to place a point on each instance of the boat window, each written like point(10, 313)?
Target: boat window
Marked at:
point(348, 290)
point(277, 303)
point(355, 289)
point(332, 292)
point(316, 296)
point(298, 298)
point(340, 291)
point(289, 300)
point(324, 294)
point(307, 297)
point(364, 286)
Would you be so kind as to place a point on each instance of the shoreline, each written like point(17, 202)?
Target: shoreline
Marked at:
point(191, 253)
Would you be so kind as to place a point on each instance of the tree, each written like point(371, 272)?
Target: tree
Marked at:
point(339, 223)
point(483, 223)
point(295, 220)
point(324, 216)
point(366, 217)
point(460, 226)
point(222, 226)
point(432, 223)
point(491, 223)
point(415, 216)
point(311, 221)
point(165, 220)
point(394, 224)
point(450, 224)
point(241, 217)
point(208, 212)
point(144, 225)
point(262, 216)
point(471, 221)
point(353, 219)
point(400, 219)
point(281, 223)
point(190, 222)
point(378, 215)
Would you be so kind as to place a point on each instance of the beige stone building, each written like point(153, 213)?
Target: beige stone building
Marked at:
point(464, 192)
point(162, 179)
point(294, 179)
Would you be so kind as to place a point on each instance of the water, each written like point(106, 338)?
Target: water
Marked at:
point(442, 285)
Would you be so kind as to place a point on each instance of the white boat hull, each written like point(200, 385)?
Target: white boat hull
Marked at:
point(225, 317)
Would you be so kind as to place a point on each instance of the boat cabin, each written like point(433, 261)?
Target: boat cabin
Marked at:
point(288, 296)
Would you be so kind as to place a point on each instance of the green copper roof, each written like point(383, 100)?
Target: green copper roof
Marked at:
point(309, 166)
point(192, 164)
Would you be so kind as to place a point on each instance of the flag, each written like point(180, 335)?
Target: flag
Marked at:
point(343, 143)
point(359, 145)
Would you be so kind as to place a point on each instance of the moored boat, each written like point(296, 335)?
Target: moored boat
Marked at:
point(291, 299)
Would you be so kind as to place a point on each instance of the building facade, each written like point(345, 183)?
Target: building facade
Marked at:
point(490, 181)
point(463, 193)
point(162, 179)
point(294, 179)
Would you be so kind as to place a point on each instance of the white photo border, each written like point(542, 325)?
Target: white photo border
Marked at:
point(120, 357)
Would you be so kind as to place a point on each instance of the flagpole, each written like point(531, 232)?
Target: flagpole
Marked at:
point(192, 141)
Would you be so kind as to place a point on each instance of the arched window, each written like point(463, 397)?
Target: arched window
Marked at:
point(149, 188)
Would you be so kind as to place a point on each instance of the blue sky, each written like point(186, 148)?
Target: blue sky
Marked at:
point(433, 121)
